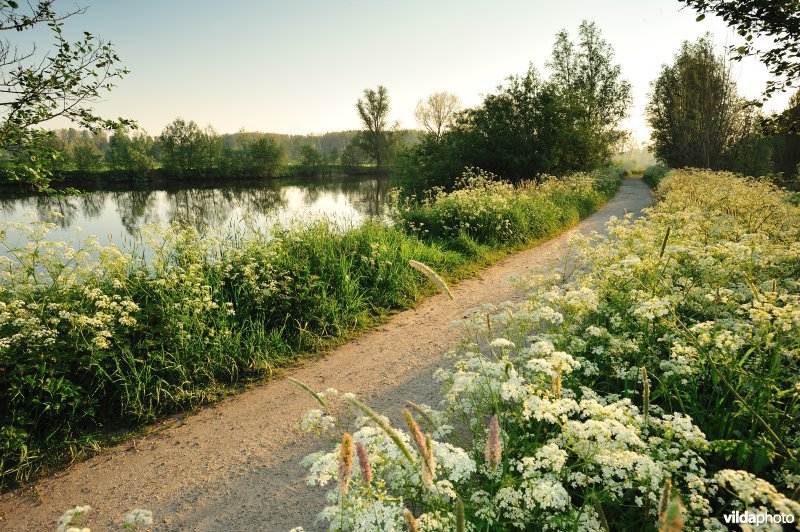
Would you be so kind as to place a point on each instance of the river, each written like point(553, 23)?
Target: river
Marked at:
point(119, 216)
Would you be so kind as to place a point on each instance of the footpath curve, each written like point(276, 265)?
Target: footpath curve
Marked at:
point(236, 465)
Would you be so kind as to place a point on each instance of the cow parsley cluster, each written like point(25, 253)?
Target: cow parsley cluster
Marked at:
point(653, 384)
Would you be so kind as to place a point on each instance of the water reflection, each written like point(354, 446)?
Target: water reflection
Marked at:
point(125, 213)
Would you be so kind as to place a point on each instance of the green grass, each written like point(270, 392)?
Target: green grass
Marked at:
point(93, 341)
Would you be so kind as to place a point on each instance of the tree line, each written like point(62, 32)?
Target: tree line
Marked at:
point(184, 150)
point(532, 125)
point(698, 119)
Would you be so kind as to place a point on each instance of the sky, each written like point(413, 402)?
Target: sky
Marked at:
point(299, 66)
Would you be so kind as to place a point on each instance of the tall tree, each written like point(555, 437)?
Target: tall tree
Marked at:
point(437, 113)
point(39, 87)
point(375, 138)
point(591, 85)
point(694, 112)
point(181, 147)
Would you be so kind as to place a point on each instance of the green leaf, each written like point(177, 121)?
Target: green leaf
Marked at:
point(699, 18)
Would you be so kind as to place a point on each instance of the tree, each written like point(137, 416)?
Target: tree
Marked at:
point(39, 87)
point(373, 110)
point(436, 114)
point(181, 147)
point(131, 154)
point(779, 20)
point(695, 112)
point(352, 157)
point(311, 161)
point(209, 151)
point(86, 157)
point(264, 157)
point(592, 88)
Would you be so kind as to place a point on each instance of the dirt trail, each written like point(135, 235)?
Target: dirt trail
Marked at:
point(235, 466)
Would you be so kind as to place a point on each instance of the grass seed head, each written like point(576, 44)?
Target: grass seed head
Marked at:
point(345, 462)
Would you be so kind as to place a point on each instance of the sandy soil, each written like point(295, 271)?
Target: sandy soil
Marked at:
point(235, 466)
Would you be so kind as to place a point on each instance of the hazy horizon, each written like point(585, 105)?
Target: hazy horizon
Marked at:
point(298, 68)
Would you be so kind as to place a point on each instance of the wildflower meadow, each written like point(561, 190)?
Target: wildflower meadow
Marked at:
point(653, 383)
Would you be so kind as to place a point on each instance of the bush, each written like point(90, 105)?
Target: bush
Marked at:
point(494, 212)
point(654, 174)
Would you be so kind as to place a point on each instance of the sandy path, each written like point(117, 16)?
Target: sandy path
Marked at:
point(235, 466)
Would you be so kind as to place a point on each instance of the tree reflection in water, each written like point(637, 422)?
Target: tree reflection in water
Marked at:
point(126, 213)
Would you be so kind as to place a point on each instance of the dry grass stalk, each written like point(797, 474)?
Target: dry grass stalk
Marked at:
point(494, 447)
point(410, 522)
point(384, 426)
point(432, 275)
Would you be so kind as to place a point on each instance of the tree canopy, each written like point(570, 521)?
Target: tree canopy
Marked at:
point(532, 124)
point(778, 20)
point(437, 113)
point(62, 82)
point(695, 113)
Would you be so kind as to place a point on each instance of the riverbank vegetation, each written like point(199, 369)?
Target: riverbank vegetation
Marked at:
point(651, 384)
point(93, 340)
point(185, 151)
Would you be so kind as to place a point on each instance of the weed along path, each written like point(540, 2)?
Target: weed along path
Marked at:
point(236, 465)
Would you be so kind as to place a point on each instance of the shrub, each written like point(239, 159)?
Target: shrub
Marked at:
point(654, 174)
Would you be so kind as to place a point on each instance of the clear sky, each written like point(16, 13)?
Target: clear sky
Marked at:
point(298, 66)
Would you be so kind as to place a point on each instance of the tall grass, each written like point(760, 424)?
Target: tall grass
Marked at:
point(93, 340)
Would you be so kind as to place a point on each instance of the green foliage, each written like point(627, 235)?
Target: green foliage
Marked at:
point(263, 158)
point(311, 162)
point(61, 83)
point(352, 158)
point(181, 147)
point(778, 19)
point(91, 338)
point(596, 96)
point(696, 116)
point(132, 154)
point(532, 125)
point(654, 174)
point(488, 211)
point(85, 157)
point(188, 151)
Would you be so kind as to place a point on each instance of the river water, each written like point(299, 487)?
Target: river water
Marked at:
point(119, 216)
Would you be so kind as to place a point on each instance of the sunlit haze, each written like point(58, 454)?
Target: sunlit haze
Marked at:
point(300, 66)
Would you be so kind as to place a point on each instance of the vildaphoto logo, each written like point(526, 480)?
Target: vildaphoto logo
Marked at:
point(751, 518)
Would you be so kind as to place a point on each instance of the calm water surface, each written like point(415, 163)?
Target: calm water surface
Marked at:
point(119, 216)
